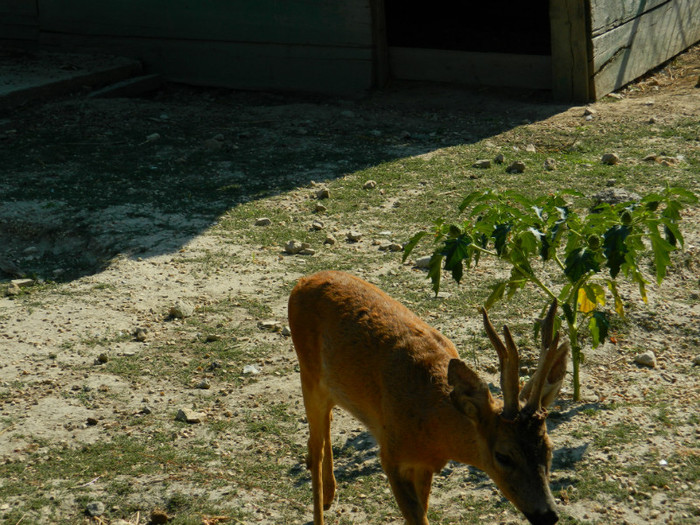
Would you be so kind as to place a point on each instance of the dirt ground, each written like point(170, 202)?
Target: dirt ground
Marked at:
point(113, 208)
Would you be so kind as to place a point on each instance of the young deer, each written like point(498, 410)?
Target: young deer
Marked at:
point(360, 349)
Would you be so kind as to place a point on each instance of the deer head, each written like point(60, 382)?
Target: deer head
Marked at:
point(515, 450)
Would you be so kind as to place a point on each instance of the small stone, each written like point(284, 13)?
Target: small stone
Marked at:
point(330, 240)
point(516, 167)
point(153, 137)
point(22, 283)
point(102, 358)
point(91, 421)
point(589, 111)
point(499, 159)
point(270, 326)
point(211, 338)
point(307, 251)
point(610, 159)
point(369, 185)
point(423, 262)
point(390, 247)
point(323, 193)
point(181, 309)
point(647, 359)
point(187, 415)
point(204, 384)
point(320, 208)
point(353, 236)
point(140, 334)
point(263, 221)
point(531, 148)
point(317, 225)
point(251, 370)
point(550, 164)
point(294, 247)
point(482, 164)
point(286, 331)
point(696, 360)
point(95, 508)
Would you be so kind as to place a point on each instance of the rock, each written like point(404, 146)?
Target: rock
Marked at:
point(187, 415)
point(270, 326)
point(323, 193)
point(589, 111)
point(516, 167)
point(307, 251)
point(95, 508)
point(423, 262)
point(499, 159)
point(211, 338)
point(141, 334)
point(286, 331)
point(91, 421)
point(369, 185)
point(550, 164)
point(181, 309)
point(320, 208)
point(204, 384)
point(317, 225)
point(482, 164)
point(21, 283)
point(530, 148)
point(390, 247)
point(647, 359)
point(610, 159)
point(353, 236)
point(13, 289)
point(294, 247)
point(263, 221)
point(614, 196)
point(153, 137)
point(696, 360)
point(251, 370)
point(330, 240)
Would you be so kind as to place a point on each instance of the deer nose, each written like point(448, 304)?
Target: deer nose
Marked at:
point(545, 518)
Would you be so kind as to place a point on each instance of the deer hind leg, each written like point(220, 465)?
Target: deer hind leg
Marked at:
point(320, 458)
point(411, 488)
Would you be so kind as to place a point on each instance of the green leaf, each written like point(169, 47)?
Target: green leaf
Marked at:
point(688, 197)
point(500, 236)
point(496, 295)
point(411, 244)
point(614, 247)
point(619, 306)
point(435, 270)
point(598, 326)
point(455, 251)
point(661, 248)
point(471, 198)
point(579, 262)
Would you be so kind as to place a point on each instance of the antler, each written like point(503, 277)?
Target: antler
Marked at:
point(552, 362)
point(508, 357)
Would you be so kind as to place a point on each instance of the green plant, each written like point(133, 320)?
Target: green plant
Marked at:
point(581, 245)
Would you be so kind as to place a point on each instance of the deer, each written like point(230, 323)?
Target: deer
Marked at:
point(363, 351)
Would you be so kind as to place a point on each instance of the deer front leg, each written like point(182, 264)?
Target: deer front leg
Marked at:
point(411, 488)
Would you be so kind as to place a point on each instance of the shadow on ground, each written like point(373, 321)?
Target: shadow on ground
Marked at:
point(85, 180)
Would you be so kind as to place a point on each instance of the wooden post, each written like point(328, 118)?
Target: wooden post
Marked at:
point(569, 23)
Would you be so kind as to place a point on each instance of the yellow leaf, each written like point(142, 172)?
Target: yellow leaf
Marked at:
point(590, 296)
point(585, 305)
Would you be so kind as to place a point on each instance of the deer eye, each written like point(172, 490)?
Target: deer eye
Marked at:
point(504, 460)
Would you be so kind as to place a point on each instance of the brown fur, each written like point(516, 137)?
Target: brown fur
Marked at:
point(363, 351)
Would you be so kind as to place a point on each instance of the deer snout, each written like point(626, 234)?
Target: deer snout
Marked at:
point(548, 517)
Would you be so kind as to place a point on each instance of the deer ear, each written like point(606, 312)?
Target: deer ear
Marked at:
point(555, 378)
point(469, 392)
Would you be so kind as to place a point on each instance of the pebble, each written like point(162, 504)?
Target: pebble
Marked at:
point(482, 164)
point(181, 309)
point(696, 360)
point(369, 185)
point(353, 236)
point(323, 193)
point(320, 208)
point(530, 148)
point(516, 167)
point(204, 384)
point(270, 326)
point(330, 240)
point(95, 508)
point(251, 370)
point(140, 334)
point(589, 112)
point(188, 415)
point(423, 262)
point(550, 164)
point(390, 247)
point(286, 331)
point(263, 221)
point(499, 159)
point(647, 359)
point(317, 225)
point(294, 247)
point(610, 159)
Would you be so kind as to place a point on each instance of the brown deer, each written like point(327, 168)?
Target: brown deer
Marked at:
point(361, 350)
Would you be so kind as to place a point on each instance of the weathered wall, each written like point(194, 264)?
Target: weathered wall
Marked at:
point(18, 20)
point(310, 45)
point(630, 37)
